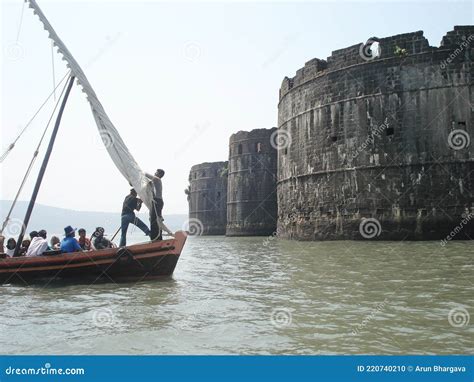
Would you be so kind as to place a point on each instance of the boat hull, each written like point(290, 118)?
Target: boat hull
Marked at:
point(132, 263)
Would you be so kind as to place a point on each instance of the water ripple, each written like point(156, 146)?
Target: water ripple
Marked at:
point(239, 296)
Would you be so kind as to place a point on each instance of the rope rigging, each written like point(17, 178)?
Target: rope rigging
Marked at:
point(20, 23)
point(54, 74)
point(12, 145)
point(33, 159)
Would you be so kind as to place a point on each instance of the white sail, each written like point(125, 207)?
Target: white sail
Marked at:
point(109, 134)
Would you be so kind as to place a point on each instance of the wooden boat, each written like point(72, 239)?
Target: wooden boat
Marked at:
point(133, 263)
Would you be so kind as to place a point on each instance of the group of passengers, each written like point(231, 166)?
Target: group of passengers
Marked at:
point(38, 244)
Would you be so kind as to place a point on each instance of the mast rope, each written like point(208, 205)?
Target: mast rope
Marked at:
point(30, 166)
point(54, 74)
point(12, 145)
point(20, 23)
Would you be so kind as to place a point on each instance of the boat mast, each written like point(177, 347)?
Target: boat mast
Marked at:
point(43, 167)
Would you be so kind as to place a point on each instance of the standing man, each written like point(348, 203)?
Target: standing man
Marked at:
point(156, 217)
point(130, 204)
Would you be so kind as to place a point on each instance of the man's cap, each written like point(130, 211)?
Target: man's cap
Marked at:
point(99, 231)
point(68, 230)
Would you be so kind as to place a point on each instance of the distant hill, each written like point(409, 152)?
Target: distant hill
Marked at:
point(54, 219)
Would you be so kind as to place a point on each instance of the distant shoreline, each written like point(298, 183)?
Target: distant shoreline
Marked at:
point(54, 219)
point(9, 202)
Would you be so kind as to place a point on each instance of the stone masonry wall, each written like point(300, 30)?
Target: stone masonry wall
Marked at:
point(384, 140)
point(207, 197)
point(251, 197)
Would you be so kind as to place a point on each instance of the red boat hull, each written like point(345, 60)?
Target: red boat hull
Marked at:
point(132, 263)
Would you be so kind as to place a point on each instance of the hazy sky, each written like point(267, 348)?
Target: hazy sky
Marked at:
point(177, 79)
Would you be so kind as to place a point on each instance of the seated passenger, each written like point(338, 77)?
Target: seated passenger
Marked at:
point(10, 249)
point(38, 245)
point(55, 243)
point(24, 247)
point(99, 241)
point(69, 243)
point(84, 242)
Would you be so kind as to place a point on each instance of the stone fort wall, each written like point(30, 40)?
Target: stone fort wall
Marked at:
point(384, 140)
point(207, 198)
point(251, 197)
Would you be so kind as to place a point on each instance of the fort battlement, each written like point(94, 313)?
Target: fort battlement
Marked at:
point(403, 48)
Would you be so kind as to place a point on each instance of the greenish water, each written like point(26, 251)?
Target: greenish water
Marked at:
point(261, 296)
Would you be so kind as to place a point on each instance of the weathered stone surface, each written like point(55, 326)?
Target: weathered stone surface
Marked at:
point(251, 197)
point(207, 197)
point(373, 138)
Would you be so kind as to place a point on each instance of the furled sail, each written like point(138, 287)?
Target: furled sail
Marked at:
point(116, 148)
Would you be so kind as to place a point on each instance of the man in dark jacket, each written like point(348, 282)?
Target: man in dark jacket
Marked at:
point(99, 241)
point(130, 204)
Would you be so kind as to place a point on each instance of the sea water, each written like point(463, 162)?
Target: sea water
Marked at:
point(260, 296)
